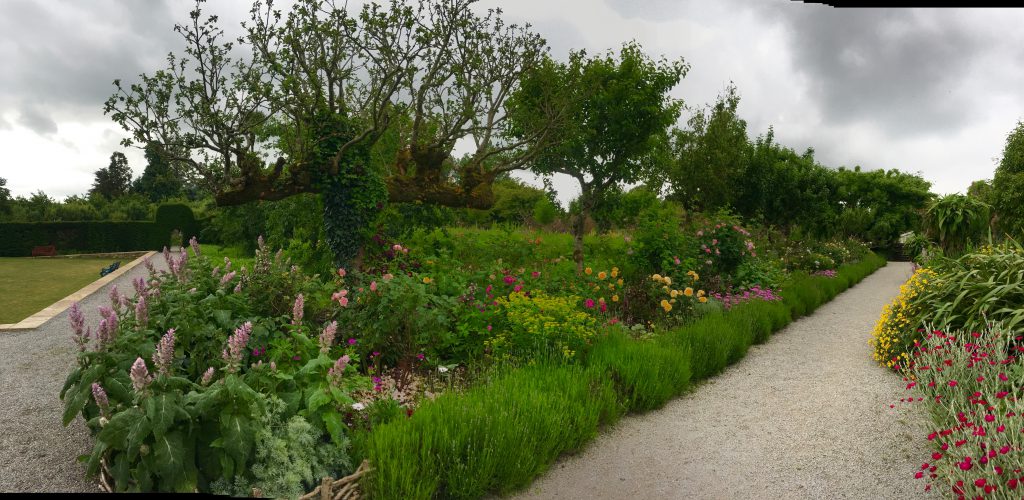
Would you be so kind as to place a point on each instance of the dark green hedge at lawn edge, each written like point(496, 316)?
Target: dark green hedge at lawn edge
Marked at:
point(18, 238)
point(499, 436)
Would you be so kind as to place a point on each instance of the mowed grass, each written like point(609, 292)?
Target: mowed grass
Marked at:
point(28, 285)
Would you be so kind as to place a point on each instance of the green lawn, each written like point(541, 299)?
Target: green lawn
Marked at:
point(28, 285)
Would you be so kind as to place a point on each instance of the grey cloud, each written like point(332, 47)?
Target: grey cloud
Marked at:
point(36, 120)
point(898, 69)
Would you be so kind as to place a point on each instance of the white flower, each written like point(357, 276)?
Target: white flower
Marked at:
point(442, 369)
point(358, 406)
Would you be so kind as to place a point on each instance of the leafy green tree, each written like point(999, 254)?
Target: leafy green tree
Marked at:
point(115, 180)
point(159, 181)
point(710, 156)
point(317, 86)
point(981, 190)
point(616, 122)
point(5, 197)
point(1008, 184)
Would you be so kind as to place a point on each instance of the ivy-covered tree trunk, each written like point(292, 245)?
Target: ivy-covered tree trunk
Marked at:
point(352, 200)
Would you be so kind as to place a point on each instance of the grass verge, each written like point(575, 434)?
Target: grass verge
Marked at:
point(28, 285)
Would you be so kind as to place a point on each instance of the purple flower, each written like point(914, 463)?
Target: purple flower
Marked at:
point(238, 287)
point(115, 298)
point(327, 336)
point(139, 376)
point(227, 264)
point(194, 243)
point(215, 272)
point(296, 358)
point(207, 376)
point(352, 341)
point(77, 319)
point(100, 396)
point(236, 346)
point(149, 266)
point(167, 257)
point(297, 310)
point(140, 285)
point(227, 277)
point(141, 311)
point(420, 356)
point(163, 356)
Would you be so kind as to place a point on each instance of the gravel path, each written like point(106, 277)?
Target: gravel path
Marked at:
point(37, 453)
point(805, 415)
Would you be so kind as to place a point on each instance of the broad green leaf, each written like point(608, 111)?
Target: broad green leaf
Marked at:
point(73, 406)
point(116, 432)
point(169, 458)
point(223, 318)
point(70, 381)
point(237, 437)
point(161, 410)
point(335, 426)
point(317, 398)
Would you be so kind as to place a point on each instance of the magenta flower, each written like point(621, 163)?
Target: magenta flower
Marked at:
point(589, 303)
point(327, 336)
point(352, 341)
point(139, 375)
point(535, 274)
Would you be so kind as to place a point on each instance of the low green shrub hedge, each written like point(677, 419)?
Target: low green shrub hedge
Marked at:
point(499, 436)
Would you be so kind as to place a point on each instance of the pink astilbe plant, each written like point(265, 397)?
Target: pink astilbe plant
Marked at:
point(163, 356)
point(208, 376)
point(236, 347)
point(139, 376)
point(338, 370)
point(77, 319)
point(227, 277)
point(100, 396)
point(141, 312)
point(297, 310)
point(327, 336)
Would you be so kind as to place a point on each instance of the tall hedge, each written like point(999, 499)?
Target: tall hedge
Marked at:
point(18, 238)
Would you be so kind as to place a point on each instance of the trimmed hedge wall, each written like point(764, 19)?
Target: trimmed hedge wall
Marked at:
point(18, 238)
point(497, 437)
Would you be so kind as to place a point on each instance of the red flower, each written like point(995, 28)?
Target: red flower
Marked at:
point(936, 456)
point(952, 383)
point(1012, 484)
point(980, 482)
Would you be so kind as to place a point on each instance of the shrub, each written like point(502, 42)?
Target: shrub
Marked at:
point(723, 246)
point(647, 373)
point(538, 325)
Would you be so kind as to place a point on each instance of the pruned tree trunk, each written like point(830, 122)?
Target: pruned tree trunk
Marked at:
point(578, 227)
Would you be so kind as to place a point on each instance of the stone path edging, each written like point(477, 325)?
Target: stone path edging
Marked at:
point(36, 320)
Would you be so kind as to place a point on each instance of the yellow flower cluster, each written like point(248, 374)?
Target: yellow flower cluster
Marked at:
point(673, 294)
point(894, 334)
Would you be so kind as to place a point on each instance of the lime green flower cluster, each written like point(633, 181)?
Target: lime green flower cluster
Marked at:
point(539, 324)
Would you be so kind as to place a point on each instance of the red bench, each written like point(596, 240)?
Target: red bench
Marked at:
point(44, 251)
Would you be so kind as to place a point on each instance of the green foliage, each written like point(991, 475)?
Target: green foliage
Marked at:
point(647, 373)
point(723, 246)
point(159, 180)
point(545, 212)
point(618, 116)
point(658, 239)
point(976, 290)
point(541, 326)
point(956, 222)
point(5, 197)
point(492, 438)
point(1008, 183)
point(711, 156)
point(115, 180)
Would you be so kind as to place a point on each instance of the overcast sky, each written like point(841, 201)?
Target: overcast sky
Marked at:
point(930, 91)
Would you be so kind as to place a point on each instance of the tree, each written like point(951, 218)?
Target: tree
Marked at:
point(711, 156)
point(1008, 184)
point(159, 180)
point(618, 113)
point(5, 197)
point(319, 86)
point(115, 180)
